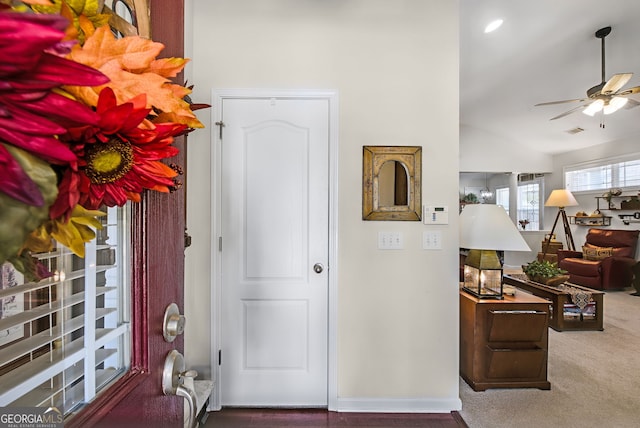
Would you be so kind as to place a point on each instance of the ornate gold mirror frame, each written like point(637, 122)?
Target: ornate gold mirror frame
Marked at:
point(391, 183)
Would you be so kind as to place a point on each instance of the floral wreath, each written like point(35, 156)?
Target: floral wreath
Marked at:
point(85, 122)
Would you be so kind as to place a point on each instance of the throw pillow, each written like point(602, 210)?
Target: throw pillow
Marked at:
point(596, 253)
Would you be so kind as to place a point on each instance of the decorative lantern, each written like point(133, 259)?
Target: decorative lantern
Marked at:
point(483, 274)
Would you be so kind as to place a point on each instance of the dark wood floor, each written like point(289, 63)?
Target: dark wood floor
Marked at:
point(318, 418)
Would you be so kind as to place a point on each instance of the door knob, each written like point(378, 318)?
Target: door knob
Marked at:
point(173, 377)
point(173, 323)
point(318, 268)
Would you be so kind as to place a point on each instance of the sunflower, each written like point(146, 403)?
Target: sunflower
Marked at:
point(118, 158)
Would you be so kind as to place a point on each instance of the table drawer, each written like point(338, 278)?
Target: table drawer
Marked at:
point(515, 363)
point(515, 325)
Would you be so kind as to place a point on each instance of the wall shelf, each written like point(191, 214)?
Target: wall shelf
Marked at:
point(626, 202)
point(584, 220)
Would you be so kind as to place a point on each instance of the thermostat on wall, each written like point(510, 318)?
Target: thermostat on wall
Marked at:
point(436, 214)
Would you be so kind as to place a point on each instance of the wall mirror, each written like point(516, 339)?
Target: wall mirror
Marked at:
point(391, 183)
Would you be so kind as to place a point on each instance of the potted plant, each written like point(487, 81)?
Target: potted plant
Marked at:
point(545, 272)
point(470, 198)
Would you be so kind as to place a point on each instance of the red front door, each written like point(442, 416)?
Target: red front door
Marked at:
point(157, 268)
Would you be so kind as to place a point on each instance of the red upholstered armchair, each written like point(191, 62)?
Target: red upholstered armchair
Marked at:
point(605, 261)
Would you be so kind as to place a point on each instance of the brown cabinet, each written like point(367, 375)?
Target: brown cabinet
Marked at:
point(503, 343)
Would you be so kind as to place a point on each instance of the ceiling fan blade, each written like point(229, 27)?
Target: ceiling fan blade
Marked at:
point(566, 113)
point(560, 102)
point(634, 90)
point(616, 82)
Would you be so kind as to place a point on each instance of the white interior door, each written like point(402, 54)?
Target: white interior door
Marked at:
point(274, 214)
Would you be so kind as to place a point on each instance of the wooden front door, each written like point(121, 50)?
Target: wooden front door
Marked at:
point(157, 267)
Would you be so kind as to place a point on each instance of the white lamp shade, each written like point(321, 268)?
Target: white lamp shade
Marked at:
point(488, 227)
point(561, 198)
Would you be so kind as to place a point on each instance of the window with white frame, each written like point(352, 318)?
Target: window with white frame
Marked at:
point(604, 174)
point(65, 338)
point(529, 204)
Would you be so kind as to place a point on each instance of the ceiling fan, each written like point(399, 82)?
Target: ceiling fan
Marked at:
point(606, 96)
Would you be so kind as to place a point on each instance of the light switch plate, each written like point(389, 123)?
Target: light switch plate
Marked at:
point(432, 240)
point(390, 241)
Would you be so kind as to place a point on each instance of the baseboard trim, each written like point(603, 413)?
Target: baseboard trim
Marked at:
point(398, 405)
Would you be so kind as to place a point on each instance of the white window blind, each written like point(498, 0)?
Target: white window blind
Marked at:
point(63, 339)
point(604, 174)
point(593, 178)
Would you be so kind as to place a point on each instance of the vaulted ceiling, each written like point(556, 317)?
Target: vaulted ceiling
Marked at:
point(546, 50)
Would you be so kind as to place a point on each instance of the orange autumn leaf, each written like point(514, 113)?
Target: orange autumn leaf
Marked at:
point(132, 53)
point(178, 90)
point(132, 66)
point(86, 26)
point(168, 67)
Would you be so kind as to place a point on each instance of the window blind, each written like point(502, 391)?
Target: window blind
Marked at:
point(65, 338)
point(604, 174)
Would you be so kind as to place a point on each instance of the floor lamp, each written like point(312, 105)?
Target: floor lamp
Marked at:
point(560, 198)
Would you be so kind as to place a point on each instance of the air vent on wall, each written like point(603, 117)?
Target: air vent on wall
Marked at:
point(575, 130)
point(529, 177)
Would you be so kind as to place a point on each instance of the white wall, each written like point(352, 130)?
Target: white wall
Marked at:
point(483, 151)
point(388, 59)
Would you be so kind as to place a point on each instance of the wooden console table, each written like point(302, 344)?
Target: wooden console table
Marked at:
point(559, 301)
point(504, 343)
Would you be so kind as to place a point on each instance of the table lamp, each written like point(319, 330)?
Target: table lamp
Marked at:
point(485, 229)
point(560, 198)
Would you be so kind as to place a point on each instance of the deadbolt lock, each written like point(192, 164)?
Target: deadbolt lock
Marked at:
point(173, 323)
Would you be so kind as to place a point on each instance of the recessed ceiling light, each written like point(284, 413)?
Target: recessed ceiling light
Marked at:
point(493, 26)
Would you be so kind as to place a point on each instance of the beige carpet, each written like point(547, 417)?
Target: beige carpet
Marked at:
point(594, 375)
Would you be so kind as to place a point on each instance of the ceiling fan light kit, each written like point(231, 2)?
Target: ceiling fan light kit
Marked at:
point(614, 105)
point(607, 96)
point(609, 107)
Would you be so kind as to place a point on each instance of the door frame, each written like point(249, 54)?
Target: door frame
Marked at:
point(218, 96)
